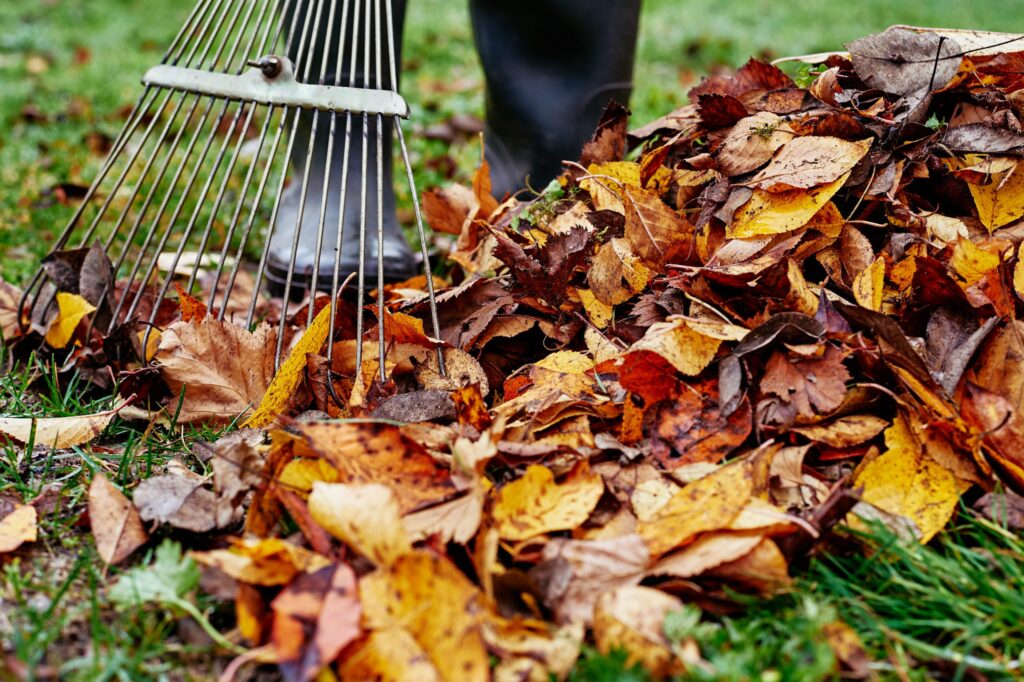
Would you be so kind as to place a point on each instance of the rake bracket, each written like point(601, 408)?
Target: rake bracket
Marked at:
point(253, 85)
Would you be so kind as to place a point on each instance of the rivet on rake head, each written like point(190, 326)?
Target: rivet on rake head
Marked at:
point(270, 66)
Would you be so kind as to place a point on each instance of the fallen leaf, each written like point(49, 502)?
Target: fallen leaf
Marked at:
point(844, 432)
point(616, 273)
point(906, 482)
point(18, 527)
point(287, 379)
point(177, 498)
point(267, 562)
point(315, 617)
point(707, 504)
point(380, 453)
point(869, 286)
point(365, 517)
point(223, 370)
point(10, 316)
point(115, 524)
point(72, 309)
point(687, 350)
point(1001, 201)
point(535, 504)
point(656, 234)
point(58, 432)
point(575, 573)
point(814, 385)
point(809, 161)
point(769, 213)
point(752, 142)
point(630, 618)
point(425, 596)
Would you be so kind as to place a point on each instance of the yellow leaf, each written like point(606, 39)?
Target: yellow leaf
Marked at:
point(600, 314)
point(971, 262)
point(606, 182)
point(290, 374)
point(535, 504)
point(709, 503)
point(265, 562)
point(1001, 201)
point(71, 309)
point(17, 527)
point(426, 596)
point(1018, 272)
point(630, 618)
point(779, 212)
point(389, 654)
point(616, 273)
point(300, 474)
point(906, 482)
point(869, 285)
point(365, 517)
point(566, 362)
point(687, 350)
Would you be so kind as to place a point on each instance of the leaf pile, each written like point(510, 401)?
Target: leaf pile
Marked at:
point(667, 377)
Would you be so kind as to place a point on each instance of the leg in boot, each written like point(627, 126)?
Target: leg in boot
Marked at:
point(551, 68)
point(316, 56)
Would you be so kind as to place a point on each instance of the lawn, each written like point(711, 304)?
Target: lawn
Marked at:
point(69, 69)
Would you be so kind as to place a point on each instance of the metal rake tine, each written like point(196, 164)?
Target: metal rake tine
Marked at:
point(238, 147)
point(328, 167)
point(116, 266)
point(381, 351)
point(160, 212)
point(362, 200)
point(421, 233)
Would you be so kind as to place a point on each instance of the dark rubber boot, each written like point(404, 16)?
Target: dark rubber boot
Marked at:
point(399, 261)
point(551, 67)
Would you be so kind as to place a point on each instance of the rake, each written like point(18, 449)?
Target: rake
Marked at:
point(198, 163)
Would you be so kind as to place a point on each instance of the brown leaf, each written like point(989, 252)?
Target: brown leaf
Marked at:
point(1002, 426)
point(657, 234)
point(905, 62)
point(18, 527)
point(692, 429)
point(751, 143)
point(806, 162)
point(114, 521)
point(448, 209)
point(379, 453)
point(631, 618)
point(177, 498)
point(10, 318)
point(576, 572)
point(814, 385)
point(222, 369)
point(315, 617)
point(545, 271)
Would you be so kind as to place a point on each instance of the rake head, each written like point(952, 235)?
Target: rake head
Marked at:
point(196, 177)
